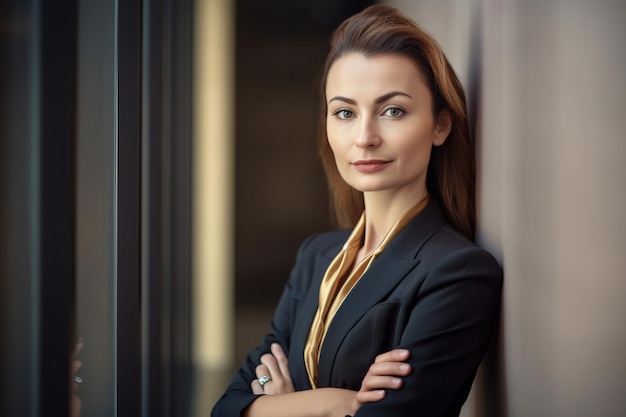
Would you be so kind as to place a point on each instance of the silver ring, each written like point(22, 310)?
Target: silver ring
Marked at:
point(77, 379)
point(264, 380)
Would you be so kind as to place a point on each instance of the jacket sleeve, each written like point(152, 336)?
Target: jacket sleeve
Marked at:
point(238, 395)
point(448, 330)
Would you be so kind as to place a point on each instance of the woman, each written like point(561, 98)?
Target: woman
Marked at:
point(393, 317)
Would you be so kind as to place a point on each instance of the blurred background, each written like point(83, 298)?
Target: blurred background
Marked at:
point(158, 172)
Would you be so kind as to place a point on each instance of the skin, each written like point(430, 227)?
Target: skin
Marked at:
point(381, 128)
point(75, 364)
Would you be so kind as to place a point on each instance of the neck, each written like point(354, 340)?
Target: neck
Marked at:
point(382, 211)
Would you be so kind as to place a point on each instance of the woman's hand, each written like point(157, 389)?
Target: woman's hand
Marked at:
point(276, 366)
point(383, 374)
point(75, 364)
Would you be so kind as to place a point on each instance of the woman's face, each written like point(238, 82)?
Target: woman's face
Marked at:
point(380, 124)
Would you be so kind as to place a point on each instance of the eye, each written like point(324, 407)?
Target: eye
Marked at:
point(343, 114)
point(394, 112)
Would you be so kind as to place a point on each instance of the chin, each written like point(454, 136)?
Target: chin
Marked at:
point(370, 184)
point(367, 188)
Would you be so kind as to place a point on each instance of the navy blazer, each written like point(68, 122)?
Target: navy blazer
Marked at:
point(431, 291)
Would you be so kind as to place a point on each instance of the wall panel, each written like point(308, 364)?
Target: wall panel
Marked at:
point(549, 95)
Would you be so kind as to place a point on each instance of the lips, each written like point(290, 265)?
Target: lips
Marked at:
point(371, 165)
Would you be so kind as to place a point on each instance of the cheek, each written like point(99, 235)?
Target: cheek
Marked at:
point(414, 150)
point(340, 157)
point(334, 143)
point(339, 154)
point(418, 138)
point(419, 154)
point(420, 145)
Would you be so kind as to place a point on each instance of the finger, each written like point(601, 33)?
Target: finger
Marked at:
point(372, 383)
point(75, 405)
point(257, 389)
point(75, 367)
point(396, 355)
point(75, 384)
point(261, 371)
point(281, 359)
point(390, 368)
point(78, 347)
point(272, 365)
point(370, 396)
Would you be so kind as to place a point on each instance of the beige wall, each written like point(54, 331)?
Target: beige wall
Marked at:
point(547, 82)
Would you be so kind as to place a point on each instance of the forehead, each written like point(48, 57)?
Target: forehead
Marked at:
point(355, 73)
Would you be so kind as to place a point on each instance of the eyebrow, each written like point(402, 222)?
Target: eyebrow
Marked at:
point(379, 100)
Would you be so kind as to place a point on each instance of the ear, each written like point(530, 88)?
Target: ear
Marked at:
point(443, 127)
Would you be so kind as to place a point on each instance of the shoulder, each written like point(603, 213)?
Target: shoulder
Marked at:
point(319, 246)
point(446, 240)
point(314, 256)
point(448, 253)
point(432, 240)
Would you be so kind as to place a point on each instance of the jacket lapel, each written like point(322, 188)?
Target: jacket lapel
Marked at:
point(385, 273)
point(305, 318)
point(377, 282)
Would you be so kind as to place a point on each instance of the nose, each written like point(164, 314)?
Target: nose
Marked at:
point(368, 135)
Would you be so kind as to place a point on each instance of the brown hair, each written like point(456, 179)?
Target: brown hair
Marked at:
point(450, 177)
